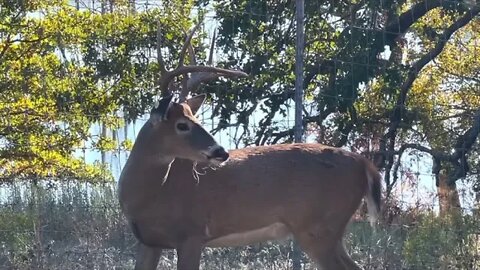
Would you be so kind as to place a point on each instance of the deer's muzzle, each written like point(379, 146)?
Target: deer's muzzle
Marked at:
point(217, 154)
point(220, 154)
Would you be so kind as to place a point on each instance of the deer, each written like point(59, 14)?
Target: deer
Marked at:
point(307, 191)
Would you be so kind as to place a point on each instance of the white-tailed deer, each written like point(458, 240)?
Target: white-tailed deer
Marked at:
point(308, 191)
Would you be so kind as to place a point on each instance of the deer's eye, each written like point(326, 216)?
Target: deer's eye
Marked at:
point(183, 127)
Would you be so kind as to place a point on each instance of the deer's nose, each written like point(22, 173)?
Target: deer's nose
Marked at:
point(220, 154)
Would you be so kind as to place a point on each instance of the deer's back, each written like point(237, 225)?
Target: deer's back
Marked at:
point(276, 175)
point(267, 184)
point(295, 163)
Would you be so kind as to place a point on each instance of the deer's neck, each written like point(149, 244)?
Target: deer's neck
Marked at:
point(148, 164)
point(141, 183)
point(149, 143)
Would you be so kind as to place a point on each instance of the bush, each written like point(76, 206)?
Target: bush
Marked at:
point(449, 242)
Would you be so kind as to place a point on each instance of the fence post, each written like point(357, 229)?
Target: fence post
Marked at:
point(298, 130)
point(300, 42)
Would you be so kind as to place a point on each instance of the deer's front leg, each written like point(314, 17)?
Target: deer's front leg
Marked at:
point(189, 253)
point(147, 257)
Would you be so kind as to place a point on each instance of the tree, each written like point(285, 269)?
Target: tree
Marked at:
point(38, 136)
point(64, 69)
point(440, 112)
point(345, 58)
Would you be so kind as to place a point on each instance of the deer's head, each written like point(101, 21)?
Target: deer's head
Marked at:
point(179, 133)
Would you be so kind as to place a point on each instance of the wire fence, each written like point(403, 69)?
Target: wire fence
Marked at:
point(75, 225)
point(71, 224)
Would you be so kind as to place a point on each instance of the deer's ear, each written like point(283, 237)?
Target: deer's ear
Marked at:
point(160, 109)
point(196, 102)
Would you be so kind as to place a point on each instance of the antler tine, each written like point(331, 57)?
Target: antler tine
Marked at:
point(199, 73)
point(198, 78)
point(167, 76)
point(183, 95)
point(185, 85)
point(193, 61)
point(212, 48)
point(160, 60)
point(187, 43)
point(191, 53)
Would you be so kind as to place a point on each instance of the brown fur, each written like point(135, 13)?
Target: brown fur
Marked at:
point(310, 188)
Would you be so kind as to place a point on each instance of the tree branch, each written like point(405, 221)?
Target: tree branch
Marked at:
point(348, 127)
point(396, 27)
point(462, 147)
point(399, 25)
point(465, 141)
point(396, 116)
point(422, 62)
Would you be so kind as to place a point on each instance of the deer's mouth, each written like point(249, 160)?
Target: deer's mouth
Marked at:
point(217, 155)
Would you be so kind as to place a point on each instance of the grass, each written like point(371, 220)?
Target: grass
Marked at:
point(80, 226)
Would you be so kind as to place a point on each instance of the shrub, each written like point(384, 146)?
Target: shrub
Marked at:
point(443, 243)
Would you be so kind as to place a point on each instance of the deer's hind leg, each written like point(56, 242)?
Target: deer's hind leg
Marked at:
point(189, 253)
point(324, 247)
point(346, 259)
point(147, 257)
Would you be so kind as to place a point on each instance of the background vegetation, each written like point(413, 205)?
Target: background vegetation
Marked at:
point(394, 80)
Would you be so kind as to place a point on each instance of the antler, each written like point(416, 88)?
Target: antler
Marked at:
point(198, 77)
point(199, 73)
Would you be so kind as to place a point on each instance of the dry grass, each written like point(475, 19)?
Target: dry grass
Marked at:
point(79, 226)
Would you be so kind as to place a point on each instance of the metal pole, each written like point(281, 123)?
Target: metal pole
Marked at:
point(300, 42)
point(298, 130)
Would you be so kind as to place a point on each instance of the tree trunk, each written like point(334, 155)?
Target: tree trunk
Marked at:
point(448, 198)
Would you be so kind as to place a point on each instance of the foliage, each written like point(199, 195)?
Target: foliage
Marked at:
point(341, 53)
point(443, 242)
point(376, 249)
point(69, 69)
point(61, 226)
point(358, 93)
point(15, 232)
point(73, 225)
point(442, 104)
point(64, 70)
